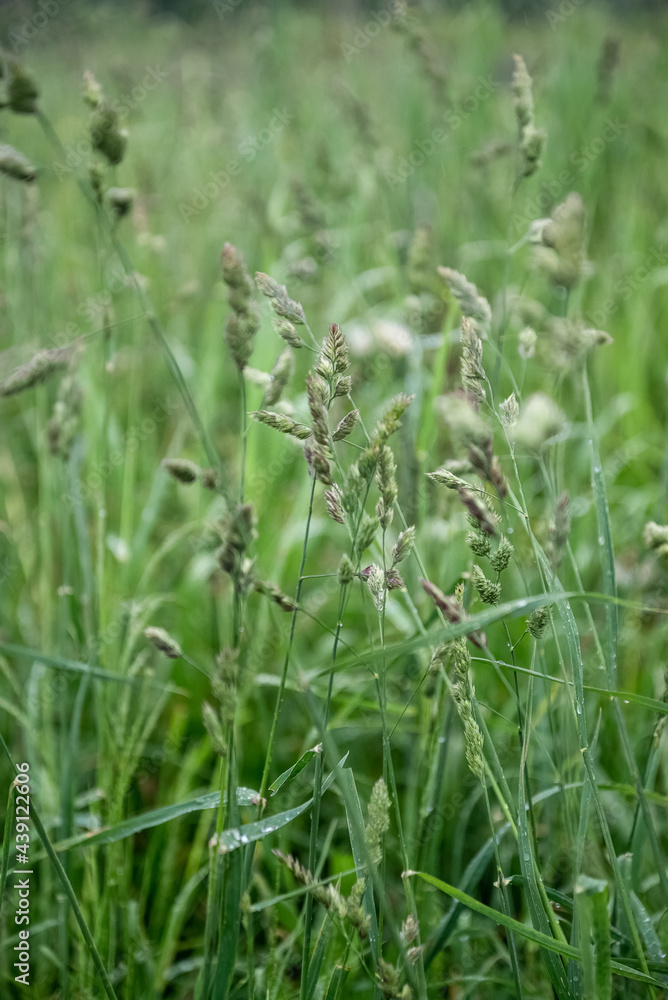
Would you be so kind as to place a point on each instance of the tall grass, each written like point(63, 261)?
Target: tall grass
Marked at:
point(332, 629)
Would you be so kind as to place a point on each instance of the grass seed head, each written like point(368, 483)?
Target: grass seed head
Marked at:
point(334, 357)
point(375, 580)
point(105, 134)
point(390, 422)
point(479, 543)
point(472, 304)
point(346, 425)
point(387, 484)
point(346, 571)
point(181, 469)
point(22, 91)
point(446, 478)
point(244, 320)
point(531, 139)
point(41, 366)
point(121, 200)
point(367, 533)
point(275, 594)
point(488, 591)
point(527, 343)
point(510, 410)
point(238, 533)
point(656, 536)
point(538, 621)
point(16, 165)
point(334, 503)
point(316, 393)
point(163, 641)
point(464, 693)
point(540, 420)
point(281, 374)
point(378, 818)
point(64, 421)
point(472, 372)
point(285, 329)
point(560, 254)
point(403, 545)
point(281, 422)
point(410, 929)
point(479, 513)
point(281, 303)
point(214, 728)
point(501, 558)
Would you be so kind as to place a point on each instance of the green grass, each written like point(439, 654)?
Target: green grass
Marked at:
point(526, 849)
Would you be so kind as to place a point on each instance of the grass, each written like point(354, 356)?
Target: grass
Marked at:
point(351, 763)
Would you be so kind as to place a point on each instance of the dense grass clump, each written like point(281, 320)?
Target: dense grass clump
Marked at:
point(334, 472)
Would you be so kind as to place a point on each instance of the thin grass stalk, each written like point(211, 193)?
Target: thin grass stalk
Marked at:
point(150, 314)
point(503, 893)
point(388, 764)
point(570, 628)
point(333, 753)
point(67, 887)
point(317, 796)
point(264, 784)
point(610, 584)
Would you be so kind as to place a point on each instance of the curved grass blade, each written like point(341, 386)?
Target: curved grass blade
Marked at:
point(648, 931)
point(76, 667)
point(472, 875)
point(591, 897)
point(610, 586)
point(539, 918)
point(67, 886)
point(530, 933)
point(360, 852)
point(337, 982)
point(154, 817)
point(318, 957)
point(482, 619)
point(296, 769)
point(230, 840)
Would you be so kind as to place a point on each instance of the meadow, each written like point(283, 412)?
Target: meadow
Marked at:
point(333, 483)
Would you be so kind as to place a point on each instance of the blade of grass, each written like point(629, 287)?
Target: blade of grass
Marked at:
point(610, 585)
point(67, 887)
point(525, 931)
point(594, 922)
point(537, 901)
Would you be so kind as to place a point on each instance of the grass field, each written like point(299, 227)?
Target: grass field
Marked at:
point(294, 717)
